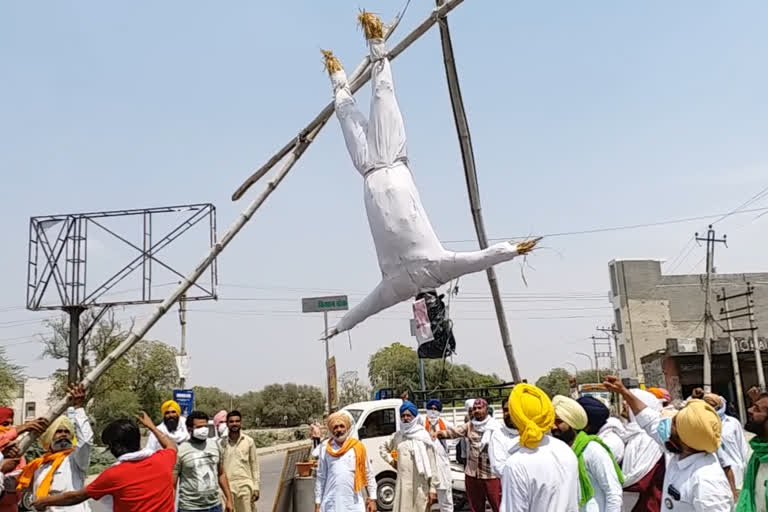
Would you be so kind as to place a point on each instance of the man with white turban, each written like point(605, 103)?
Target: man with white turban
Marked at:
point(600, 477)
point(411, 451)
point(64, 466)
point(343, 471)
point(694, 480)
point(734, 451)
point(541, 473)
point(173, 426)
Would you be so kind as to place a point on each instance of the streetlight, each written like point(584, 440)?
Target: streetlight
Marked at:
point(575, 369)
point(591, 364)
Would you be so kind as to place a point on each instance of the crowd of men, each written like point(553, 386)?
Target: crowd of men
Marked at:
point(563, 454)
point(181, 468)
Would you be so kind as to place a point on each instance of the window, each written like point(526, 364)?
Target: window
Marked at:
point(623, 357)
point(617, 316)
point(30, 410)
point(378, 423)
point(614, 287)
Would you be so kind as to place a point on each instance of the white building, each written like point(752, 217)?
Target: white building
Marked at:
point(32, 400)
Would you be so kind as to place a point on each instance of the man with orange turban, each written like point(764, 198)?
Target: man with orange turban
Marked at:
point(541, 473)
point(343, 470)
point(694, 480)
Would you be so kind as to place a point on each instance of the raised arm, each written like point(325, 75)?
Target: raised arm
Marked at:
point(162, 440)
point(83, 430)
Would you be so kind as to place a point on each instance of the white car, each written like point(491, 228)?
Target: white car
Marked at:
point(374, 422)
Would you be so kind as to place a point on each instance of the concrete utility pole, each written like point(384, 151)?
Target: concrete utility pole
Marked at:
point(755, 338)
point(473, 189)
point(183, 348)
point(707, 342)
point(74, 313)
point(734, 352)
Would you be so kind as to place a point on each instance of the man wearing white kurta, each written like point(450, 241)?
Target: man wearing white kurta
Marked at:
point(541, 473)
point(343, 471)
point(411, 451)
point(600, 479)
point(694, 480)
point(434, 424)
point(612, 434)
point(501, 443)
point(173, 426)
point(734, 451)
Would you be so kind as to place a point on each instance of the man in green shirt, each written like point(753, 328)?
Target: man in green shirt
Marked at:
point(200, 471)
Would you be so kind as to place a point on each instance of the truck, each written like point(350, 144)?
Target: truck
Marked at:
point(598, 391)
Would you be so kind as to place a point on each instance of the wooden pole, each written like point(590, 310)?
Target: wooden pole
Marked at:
point(470, 174)
point(355, 84)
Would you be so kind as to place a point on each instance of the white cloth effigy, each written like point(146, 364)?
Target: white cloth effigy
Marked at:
point(410, 255)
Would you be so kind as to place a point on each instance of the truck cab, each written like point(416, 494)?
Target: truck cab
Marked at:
point(374, 422)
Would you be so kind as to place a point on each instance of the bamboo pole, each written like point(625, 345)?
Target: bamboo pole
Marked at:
point(473, 189)
point(355, 85)
point(300, 146)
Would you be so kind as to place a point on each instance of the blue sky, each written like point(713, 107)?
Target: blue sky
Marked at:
point(583, 115)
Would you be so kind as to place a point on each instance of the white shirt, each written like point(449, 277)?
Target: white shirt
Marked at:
point(335, 482)
point(605, 482)
point(70, 476)
point(698, 479)
point(179, 435)
point(612, 433)
point(501, 443)
point(733, 451)
point(544, 479)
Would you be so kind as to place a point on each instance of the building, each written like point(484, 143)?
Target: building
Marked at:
point(660, 327)
point(33, 398)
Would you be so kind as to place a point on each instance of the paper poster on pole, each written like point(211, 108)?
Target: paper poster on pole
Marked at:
point(182, 365)
point(423, 326)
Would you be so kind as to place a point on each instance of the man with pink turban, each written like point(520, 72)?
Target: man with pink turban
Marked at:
point(220, 424)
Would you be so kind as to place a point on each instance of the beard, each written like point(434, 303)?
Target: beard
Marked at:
point(61, 444)
point(755, 427)
point(672, 447)
point(234, 429)
point(171, 424)
point(567, 437)
point(508, 422)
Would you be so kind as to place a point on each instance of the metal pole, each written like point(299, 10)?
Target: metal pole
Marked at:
point(734, 362)
point(327, 362)
point(183, 348)
point(421, 374)
point(575, 369)
point(74, 344)
point(473, 189)
point(755, 340)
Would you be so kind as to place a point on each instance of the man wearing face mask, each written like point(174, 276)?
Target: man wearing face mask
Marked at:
point(411, 451)
point(434, 424)
point(481, 483)
point(67, 442)
point(733, 451)
point(220, 424)
point(140, 480)
point(241, 464)
point(754, 495)
point(173, 425)
point(200, 470)
point(343, 471)
point(694, 480)
point(12, 462)
point(502, 441)
point(600, 477)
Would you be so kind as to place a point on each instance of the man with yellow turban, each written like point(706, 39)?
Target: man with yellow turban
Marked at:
point(173, 426)
point(541, 473)
point(600, 477)
point(64, 466)
point(694, 480)
point(734, 450)
point(343, 470)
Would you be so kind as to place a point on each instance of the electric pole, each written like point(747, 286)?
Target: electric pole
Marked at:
point(74, 313)
point(612, 332)
point(602, 341)
point(183, 351)
point(708, 319)
point(729, 315)
point(755, 337)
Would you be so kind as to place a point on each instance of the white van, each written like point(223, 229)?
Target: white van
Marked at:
point(374, 422)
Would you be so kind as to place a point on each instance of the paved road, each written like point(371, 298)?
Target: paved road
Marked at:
point(271, 468)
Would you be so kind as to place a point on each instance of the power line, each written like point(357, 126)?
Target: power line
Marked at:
point(740, 208)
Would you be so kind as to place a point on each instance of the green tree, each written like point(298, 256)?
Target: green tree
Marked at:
point(351, 390)
point(397, 366)
point(142, 379)
point(10, 376)
point(296, 403)
point(212, 399)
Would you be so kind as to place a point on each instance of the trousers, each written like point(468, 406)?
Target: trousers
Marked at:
point(479, 490)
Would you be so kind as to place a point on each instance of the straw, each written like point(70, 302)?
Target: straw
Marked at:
point(371, 24)
point(332, 63)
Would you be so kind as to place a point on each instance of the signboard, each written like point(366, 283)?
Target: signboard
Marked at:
point(284, 497)
point(686, 345)
point(322, 304)
point(186, 400)
point(332, 391)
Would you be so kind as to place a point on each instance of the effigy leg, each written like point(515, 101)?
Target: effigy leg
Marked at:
point(354, 126)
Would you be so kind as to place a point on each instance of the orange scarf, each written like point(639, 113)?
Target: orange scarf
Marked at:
point(361, 477)
point(440, 424)
point(28, 475)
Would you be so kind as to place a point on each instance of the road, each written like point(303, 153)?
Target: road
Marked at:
point(271, 468)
